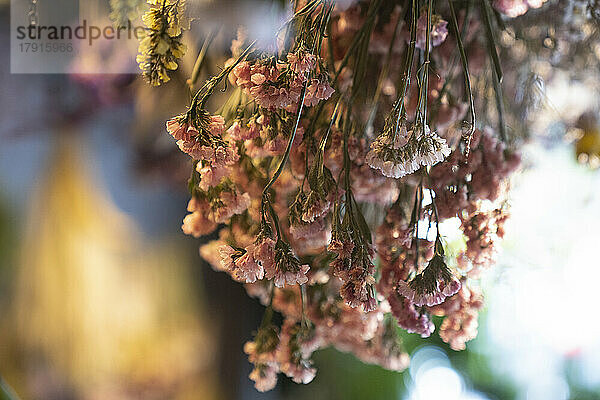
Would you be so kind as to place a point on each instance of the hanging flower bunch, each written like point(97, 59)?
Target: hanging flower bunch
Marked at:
point(335, 161)
point(161, 46)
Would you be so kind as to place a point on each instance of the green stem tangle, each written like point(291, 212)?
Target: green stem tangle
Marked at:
point(421, 121)
point(421, 111)
point(465, 65)
point(399, 109)
point(266, 204)
point(203, 94)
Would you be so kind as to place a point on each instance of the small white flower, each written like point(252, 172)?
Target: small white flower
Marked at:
point(408, 151)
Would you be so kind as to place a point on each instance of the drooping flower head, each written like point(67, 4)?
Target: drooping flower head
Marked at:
point(408, 317)
point(433, 285)
point(200, 135)
point(262, 352)
point(297, 343)
point(286, 268)
point(161, 47)
point(241, 264)
point(401, 152)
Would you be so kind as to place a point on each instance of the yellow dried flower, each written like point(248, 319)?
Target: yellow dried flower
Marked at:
point(162, 46)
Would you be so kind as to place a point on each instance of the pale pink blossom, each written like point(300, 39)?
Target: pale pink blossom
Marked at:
point(317, 90)
point(515, 8)
point(211, 176)
point(302, 62)
point(409, 318)
point(264, 252)
point(246, 268)
point(180, 129)
point(196, 223)
point(231, 203)
point(282, 278)
point(264, 377)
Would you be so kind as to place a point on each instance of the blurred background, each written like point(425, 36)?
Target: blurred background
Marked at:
point(102, 297)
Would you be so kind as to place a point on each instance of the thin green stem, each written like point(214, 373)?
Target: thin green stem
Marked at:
point(425, 80)
point(417, 210)
point(201, 57)
point(6, 392)
point(384, 73)
point(268, 315)
point(434, 206)
point(351, 49)
point(333, 118)
point(489, 30)
point(497, 69)
point(499, 105)
point(205, 91)
point(304, 306)
point(465, 65)
point(288, 149)
point(400, 107)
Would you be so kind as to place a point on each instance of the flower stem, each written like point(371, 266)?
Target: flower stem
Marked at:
point(497, 69)
point(383, 74)
point(489, 31)
point(408, 63)
point(422, 107)
point(288, 149)
point(467, 77)
point(201, 57)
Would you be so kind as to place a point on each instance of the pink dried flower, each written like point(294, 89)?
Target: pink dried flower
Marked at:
point(423, 148)
point(319, 89)
point(228, 256)
point(229, 204)
point(461, 312)
point(302, 62)
point(264, 252)
point(343, 248)
point(262, 80)
point(241, 264)
point(236, 130)
point(432, 286)
point(180, 129)
point(197, 224)
point(295, 349)
point(262, 353)
point(357, 292)
point(408, 317)
point(201, 137)
point(439, 30)
point(211, 176)
point(286, 268)
point(385, 349)
point(515, 8)
point(302, 229)
point(264, 377)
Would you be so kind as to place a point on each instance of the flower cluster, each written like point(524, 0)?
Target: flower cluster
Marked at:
point(161, 47)
point(274, 84)
point(333, 210)
point(461, 311)
point(432, 286)
point(353, 265)
point(402, 152)
point(262, 352)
